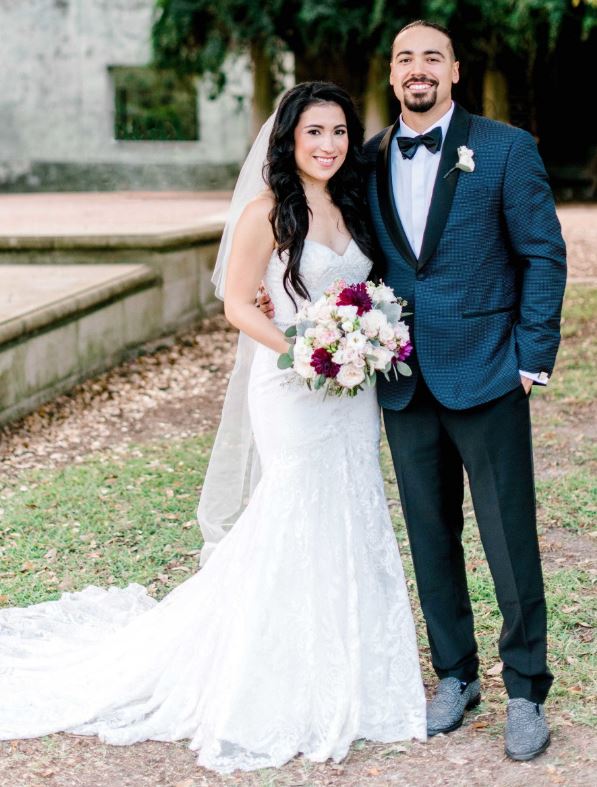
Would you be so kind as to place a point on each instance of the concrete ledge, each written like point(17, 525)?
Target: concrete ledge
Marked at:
point(35, 297)
point(86, 279)
point(207, 232)
point(62, 329)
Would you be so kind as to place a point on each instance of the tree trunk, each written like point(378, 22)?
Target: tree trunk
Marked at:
point(376, 99)
point(263, 88)
point(495, 96)
point(335, 68)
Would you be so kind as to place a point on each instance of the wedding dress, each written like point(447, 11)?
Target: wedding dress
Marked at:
point(297, 635)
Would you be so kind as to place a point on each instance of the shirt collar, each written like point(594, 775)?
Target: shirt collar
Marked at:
point(443, 123)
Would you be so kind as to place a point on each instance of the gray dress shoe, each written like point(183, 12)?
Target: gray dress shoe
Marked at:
point(527, 733)
point(445, 711)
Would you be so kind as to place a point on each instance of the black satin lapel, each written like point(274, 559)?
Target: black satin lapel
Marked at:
point(443, 191)
point(385, 195)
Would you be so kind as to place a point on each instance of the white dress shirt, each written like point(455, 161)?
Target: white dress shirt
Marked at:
point(413, 181)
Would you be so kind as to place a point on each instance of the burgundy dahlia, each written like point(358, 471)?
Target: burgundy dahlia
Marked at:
point(355, 295)
point(321, 361)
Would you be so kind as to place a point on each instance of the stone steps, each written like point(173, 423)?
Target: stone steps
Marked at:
point(87, 279)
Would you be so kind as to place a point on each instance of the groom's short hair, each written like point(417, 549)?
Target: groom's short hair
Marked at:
point(426, 23)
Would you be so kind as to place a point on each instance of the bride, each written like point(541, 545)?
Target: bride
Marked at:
point(297, 635)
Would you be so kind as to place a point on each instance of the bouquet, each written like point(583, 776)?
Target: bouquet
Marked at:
point(348, 335)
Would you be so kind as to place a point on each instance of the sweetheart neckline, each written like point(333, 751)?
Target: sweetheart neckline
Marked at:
point(329, 248)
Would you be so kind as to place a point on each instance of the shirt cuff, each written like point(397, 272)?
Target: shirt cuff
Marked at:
point(537, 377)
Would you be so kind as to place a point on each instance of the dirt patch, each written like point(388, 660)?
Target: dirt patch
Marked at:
point(471, 756)
point(173, 389)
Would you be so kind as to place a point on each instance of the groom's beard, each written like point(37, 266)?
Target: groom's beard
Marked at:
point(416, 103)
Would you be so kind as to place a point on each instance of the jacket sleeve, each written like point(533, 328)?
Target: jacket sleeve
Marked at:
point(539, 249)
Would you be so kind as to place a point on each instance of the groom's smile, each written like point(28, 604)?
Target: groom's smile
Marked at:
point(419, 86)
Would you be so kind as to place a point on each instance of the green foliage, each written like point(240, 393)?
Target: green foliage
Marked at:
point(196, 35)
point(518, 25)
point(153, 104)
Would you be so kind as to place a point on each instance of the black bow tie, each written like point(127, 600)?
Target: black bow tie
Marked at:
point(432, 141)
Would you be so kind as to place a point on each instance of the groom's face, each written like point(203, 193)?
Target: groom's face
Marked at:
point(423, 69)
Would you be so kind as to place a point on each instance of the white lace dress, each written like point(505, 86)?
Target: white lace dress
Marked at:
point(296, 637)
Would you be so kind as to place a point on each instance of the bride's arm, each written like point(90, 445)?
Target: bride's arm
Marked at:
point(252, 247)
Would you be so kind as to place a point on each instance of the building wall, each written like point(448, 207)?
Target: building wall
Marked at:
point(57, 104)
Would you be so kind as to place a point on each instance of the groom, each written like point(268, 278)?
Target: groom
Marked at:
point(468, 234)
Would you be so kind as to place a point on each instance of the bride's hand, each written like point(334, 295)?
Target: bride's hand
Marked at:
point(264, 303)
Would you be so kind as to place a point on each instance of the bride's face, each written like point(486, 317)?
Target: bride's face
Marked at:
point(320, 142)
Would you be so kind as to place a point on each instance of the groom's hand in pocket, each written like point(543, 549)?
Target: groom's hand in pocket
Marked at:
point(527, 384)
point(263, 302)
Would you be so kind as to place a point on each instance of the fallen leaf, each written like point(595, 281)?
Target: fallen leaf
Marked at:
point(496, 669)
point(394, 750)
point(457, 760)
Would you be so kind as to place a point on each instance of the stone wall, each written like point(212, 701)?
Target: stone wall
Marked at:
point(57, 103)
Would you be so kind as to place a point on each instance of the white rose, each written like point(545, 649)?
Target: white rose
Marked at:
point(303, 367)
point(302, 350)
point(326, 334)
point(372, 322)
point(356, 341)
point(321, 311)
point(382, 358)
point(386, 334)
point(401, 332)
point(465, 159)
point(347, 312)
point(383, 294)
point(350, 375)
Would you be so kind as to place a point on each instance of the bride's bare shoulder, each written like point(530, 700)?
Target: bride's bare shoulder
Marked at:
point(257, 211)
point(262, 202)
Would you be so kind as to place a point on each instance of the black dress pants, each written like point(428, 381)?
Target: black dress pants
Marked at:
point(430, 445)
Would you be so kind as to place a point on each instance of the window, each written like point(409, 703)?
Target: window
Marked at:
point(151, 104)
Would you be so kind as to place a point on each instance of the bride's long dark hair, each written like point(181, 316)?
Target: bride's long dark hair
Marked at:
point(290, 214)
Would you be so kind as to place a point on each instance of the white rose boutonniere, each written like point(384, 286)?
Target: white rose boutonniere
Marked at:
point(465, 160)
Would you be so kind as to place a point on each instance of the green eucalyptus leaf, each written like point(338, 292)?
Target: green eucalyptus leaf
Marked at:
point(404, 369)
point(285, 361)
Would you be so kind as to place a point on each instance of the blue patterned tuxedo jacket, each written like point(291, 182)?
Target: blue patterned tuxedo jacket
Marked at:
point(486, 291)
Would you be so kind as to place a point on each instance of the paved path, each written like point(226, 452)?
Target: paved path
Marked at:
point(140, 213)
